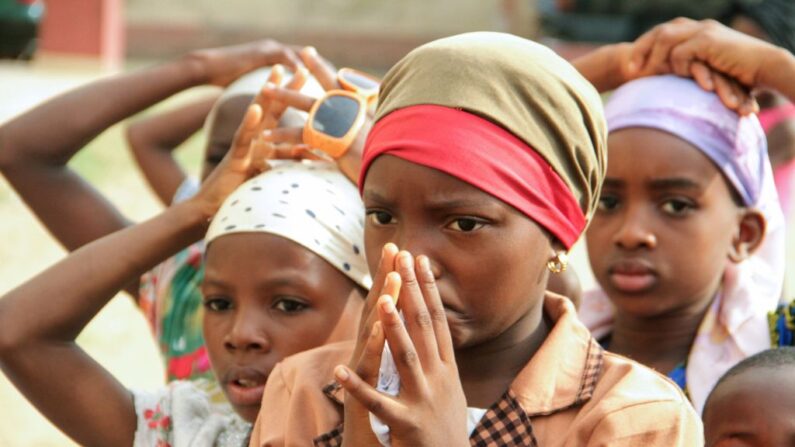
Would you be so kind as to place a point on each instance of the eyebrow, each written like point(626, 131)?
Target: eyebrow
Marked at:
point(441, 204)
point(675, 183)
point(662, 183)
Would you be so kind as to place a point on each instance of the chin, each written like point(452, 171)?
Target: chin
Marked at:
point(249, 414)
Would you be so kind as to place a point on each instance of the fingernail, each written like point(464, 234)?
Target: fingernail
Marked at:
point(632, 67)
point(734, 99)
point(312, 51)
point(387, 305)
point(341, 373)
point(425, 264)
point(405, 261)
point(376, 329)
point(266, 133)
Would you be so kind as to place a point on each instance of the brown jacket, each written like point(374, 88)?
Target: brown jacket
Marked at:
point(571, 393)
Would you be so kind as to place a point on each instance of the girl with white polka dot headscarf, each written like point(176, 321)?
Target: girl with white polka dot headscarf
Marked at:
point(308, 202)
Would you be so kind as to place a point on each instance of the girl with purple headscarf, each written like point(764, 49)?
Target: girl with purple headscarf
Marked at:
point(688, 242)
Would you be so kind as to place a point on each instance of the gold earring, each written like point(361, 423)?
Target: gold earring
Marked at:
point(558, 263)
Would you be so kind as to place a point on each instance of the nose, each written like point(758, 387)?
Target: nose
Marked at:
point(417, 241)
point(247, 334)
point(635, 231)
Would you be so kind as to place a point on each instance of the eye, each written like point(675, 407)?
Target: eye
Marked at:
point(677, 207)
point(608, 203)
point(289, 305)
point(466, 224)
point(378, 217)
point(215, 304)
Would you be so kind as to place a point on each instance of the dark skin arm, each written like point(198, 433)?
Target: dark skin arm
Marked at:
point(153, 140)
point(610, 66)
point(37, 333)
point(36, 146)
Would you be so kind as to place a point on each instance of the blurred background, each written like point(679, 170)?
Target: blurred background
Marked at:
point(47, 47)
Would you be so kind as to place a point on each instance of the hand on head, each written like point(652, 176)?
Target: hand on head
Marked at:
point(717, 57)
point(350, 161)
point(221, 66)
point(431, 407)
point(250, 150)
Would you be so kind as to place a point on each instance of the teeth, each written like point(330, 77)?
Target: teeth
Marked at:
point(246, 383)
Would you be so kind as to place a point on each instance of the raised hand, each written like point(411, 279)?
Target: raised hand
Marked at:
point(386, 283)
point(221, 66)
point(431, 408)
point(719, 58)
point(350, 162)
point(250, 151)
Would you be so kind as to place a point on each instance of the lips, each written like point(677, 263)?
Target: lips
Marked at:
point(632, 275)
point(244, 385)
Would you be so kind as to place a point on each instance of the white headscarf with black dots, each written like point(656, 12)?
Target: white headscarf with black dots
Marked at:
point(308, 202)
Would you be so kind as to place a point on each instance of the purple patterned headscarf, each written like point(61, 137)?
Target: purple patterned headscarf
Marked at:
point(737, 145)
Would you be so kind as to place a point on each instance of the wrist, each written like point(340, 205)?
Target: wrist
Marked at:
point(194, 216)
point(777, 71)
point(195, 68)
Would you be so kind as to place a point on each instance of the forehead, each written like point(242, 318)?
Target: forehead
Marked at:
point(392, 178)
point(261, 258)
point(757, 400)
point(644, 154)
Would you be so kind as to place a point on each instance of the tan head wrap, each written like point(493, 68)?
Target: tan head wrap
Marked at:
point(518, 84)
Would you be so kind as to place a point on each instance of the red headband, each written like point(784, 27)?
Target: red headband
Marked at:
point(482, 154)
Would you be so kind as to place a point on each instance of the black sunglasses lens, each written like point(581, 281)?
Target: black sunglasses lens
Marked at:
point(335, 116)
point(363, 82)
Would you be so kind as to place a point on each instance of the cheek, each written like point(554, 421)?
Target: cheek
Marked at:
point(215, 328)
point(302, 333)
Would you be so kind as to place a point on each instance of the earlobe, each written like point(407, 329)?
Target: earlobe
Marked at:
point(749, 236)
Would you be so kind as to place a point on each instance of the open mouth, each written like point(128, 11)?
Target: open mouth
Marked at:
point(244, 386)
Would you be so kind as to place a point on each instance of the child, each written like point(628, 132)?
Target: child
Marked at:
point(34, 161)
point(749, 406)
point(486, 160)
point(688, 241)
point(284, 273)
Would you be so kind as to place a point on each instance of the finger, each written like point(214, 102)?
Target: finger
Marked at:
point(653, 47)
point(246, 132)
point(386, 264)
point(282, 135)
point(261, 151)
point(409, 366)
point(276, 75)
point(726, 91)
point(292, 60)
point(384, 276)
point(298, 80)
point(687, 53)
point(702, 75)
point(291, 98)
point(369, 365)
point(293, 152)
point(324, 74)
point(276, 108)
point(391, 287)
point(433, 301)
point(417, 318)
point(749, 106)
point(382, 406)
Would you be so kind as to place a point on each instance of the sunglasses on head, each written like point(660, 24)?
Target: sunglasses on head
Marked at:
point(334, 122)
point(360, 83)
